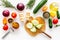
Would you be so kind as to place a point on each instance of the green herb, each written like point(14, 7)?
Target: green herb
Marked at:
point(30, 3)
point(6, 3)
point(57, 25)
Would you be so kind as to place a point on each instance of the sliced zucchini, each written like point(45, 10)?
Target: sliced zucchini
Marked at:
point(29, 25)
point(35, 22)
point(33, 29)
point(50, 23)
point(39, 26)
point(58, 15)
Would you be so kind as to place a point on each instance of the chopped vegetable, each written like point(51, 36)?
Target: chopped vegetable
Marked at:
point(46, 14)
point(58, 15)
point(39, 26)
point(33, 29)
point(21, 15)
point(35, 22)
point(39, 6)
point(30, 3)
point(5, 21)
point(27, 15)
point(53, 14)
point(54, 6)
point(55, 21)
point(44, 8)
point(50, 23)
point(5, 27)
point(29, 25)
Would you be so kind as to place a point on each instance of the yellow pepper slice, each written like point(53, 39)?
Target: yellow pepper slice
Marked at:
point(54, 6)
point(53, 14)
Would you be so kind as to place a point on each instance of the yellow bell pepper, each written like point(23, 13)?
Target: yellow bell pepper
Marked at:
point(53, 14)
point(54, 6)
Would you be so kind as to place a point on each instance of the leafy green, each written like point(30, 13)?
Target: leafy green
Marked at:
point(6, 3)
point(30, 3)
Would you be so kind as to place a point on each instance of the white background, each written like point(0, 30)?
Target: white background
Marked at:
point(21, 34)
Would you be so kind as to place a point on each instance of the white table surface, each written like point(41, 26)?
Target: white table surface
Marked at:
point(21, 34)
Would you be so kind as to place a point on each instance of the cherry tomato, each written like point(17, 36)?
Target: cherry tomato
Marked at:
point(5, 27)
point(14, 15)
point(55, 21)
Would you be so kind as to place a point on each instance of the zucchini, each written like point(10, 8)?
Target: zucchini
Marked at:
point(39, 6)
point(58, 15)
point(50, 23)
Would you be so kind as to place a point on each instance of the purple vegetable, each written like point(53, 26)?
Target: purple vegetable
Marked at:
point(20, 6)
point(6, 13)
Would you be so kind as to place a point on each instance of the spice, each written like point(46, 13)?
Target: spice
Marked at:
point(5, 21)
point(15, 25)
point(46, 14)
point(44, 8)
point(10, 20)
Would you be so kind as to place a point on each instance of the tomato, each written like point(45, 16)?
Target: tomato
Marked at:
point(5, 27)
point(14, 15)
point(55, 21)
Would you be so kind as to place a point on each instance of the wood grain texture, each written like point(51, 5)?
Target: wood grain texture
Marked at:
point(41, 21)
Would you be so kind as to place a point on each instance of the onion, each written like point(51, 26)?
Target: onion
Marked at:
point(6, 13)
point(20, 6)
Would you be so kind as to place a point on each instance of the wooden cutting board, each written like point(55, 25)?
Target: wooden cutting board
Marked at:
point(41, 21)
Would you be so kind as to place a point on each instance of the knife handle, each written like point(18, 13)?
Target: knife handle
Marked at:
point(47, 34)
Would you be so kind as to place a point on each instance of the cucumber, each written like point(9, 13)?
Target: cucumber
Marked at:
point(58, 15)
point(39, 6)
point(50, 23)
